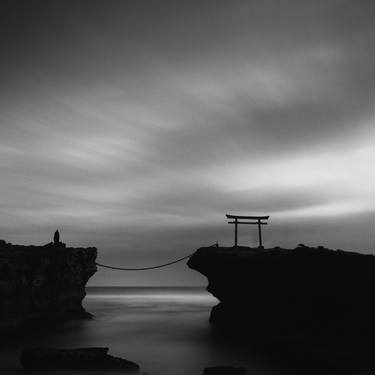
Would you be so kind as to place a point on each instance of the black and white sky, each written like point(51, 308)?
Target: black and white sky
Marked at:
point(134, 126)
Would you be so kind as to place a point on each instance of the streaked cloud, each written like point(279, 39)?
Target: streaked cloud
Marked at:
point(135, 126)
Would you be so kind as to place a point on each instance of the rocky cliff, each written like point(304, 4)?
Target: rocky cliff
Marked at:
point(39, 283)
point(308, 291)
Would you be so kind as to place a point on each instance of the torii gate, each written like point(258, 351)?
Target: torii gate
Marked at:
point(258, 222)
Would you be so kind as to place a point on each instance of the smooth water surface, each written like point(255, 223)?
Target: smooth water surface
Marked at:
point(164, 330)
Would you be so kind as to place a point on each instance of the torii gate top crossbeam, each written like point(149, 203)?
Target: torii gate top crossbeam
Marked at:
point(247, 217)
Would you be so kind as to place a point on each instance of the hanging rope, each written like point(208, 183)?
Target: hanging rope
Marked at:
point(149, 268)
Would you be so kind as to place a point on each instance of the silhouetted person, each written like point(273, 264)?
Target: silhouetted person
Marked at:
point(56, 237)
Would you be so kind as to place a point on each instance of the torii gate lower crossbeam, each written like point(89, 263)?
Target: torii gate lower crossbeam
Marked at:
point(258, 222)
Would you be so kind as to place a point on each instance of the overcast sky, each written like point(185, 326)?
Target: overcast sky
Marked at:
point(135, 126)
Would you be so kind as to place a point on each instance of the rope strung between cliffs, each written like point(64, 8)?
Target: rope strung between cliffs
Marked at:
point(152, 267)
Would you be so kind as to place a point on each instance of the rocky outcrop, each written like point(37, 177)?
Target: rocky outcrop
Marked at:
point(38, 283)
point(93, 359)
point(224, 370)
point(306, 291)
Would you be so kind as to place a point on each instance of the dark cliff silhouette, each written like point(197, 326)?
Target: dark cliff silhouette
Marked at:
point(40, 283)
point(303, 290)
point(313, 307)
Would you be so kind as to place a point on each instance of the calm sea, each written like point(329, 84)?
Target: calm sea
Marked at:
point(164, 330)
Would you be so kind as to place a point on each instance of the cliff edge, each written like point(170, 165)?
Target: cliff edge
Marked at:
point(39, 283)
point(304, 291)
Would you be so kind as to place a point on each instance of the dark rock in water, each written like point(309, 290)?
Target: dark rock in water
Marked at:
point(224, 370)
point(39, 283)
point(74, 359)
point(305, 291)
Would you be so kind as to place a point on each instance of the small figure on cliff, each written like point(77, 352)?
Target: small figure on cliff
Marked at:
point(56, 237)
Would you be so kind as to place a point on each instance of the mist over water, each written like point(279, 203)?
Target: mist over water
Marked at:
point(160, 329)
point(164, 330)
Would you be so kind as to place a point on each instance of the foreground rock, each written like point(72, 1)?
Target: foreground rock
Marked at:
point(39, 283)
point(305, 291)
point(224, 370)
point(96, 359)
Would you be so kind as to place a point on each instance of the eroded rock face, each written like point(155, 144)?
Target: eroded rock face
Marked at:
point(42, 282)
point(314, 291)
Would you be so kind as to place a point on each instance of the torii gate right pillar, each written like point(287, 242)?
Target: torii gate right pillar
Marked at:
point(235, 232)
point(260, 234)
